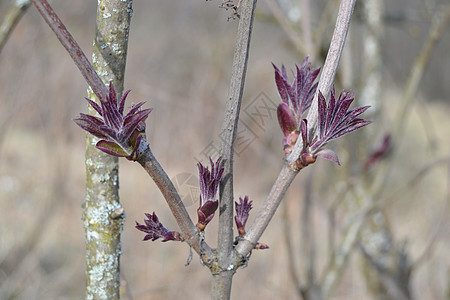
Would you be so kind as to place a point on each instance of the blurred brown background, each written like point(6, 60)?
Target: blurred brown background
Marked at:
point(179, 61)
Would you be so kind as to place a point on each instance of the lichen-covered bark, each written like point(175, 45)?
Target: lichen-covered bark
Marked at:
point(385, 266)
point(102, 212)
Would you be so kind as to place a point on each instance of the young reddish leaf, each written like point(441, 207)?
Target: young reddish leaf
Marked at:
point(286, 119)
point(328, 154)
point(242, 212)
point(114, 129)
point(336, 120)
point(296, 97)
point(209, 186)
point(155, 230)
point(111, 148)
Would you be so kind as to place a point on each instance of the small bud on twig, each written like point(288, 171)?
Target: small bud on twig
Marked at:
point(334, 119)
point(119, 135)
point(242, 211)
point(155, 230)
point(209, 186)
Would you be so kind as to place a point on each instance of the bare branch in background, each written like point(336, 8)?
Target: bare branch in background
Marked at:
point(287, 27)
point(324, 23)
point(307, 232)
point(445, 210)
point(338, 261)
point(438, 27)
point(306, 26)
point(265, 214)
point(12, 17)
point(389, 285)
point(387, 254)
point(371, 90)
point(443, 219)
point(290, 248)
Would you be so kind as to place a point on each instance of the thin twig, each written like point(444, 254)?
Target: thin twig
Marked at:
point(372, 67)
point(328, 71)
point(322, 27)
point(287, 233)
point(440, 23)
point(331, 212)
point(417, 70)
point(287, 27)
point(287, 172)
point(340, 256)
point(306, 26)
point(307, 231)
point(100, 90)
point(165, 185)
point(71, 46)
point(443, 219)
point(265, 214)
point(12, 17)
point(338, 261)
point(385, 277)
point(221, 283)
point(379, 182)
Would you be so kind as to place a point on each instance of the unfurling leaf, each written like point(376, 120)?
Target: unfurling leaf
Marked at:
point(154, 230)
point(119, 134)
point(209, 186)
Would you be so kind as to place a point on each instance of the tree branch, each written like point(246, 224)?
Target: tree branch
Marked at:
point(165, 185)
point(265, 214)
point(221, 286)
point(288, 173)
point(147, 160)
point(71, 46)
point(329, 69)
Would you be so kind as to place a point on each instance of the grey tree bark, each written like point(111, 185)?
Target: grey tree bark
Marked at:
point(103, 214)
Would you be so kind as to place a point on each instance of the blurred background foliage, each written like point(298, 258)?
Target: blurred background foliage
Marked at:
point(179, 61)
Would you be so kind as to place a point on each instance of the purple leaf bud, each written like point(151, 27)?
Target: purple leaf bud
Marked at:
point(296, 99)
point(242, 211)
point(156, 230)
point(261, 246)
point(119, 135)
point(209, 186)
point(380, 152)
point(334, 121)
point(286, 119)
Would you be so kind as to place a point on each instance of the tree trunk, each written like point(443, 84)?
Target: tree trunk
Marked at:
point(102, 212)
